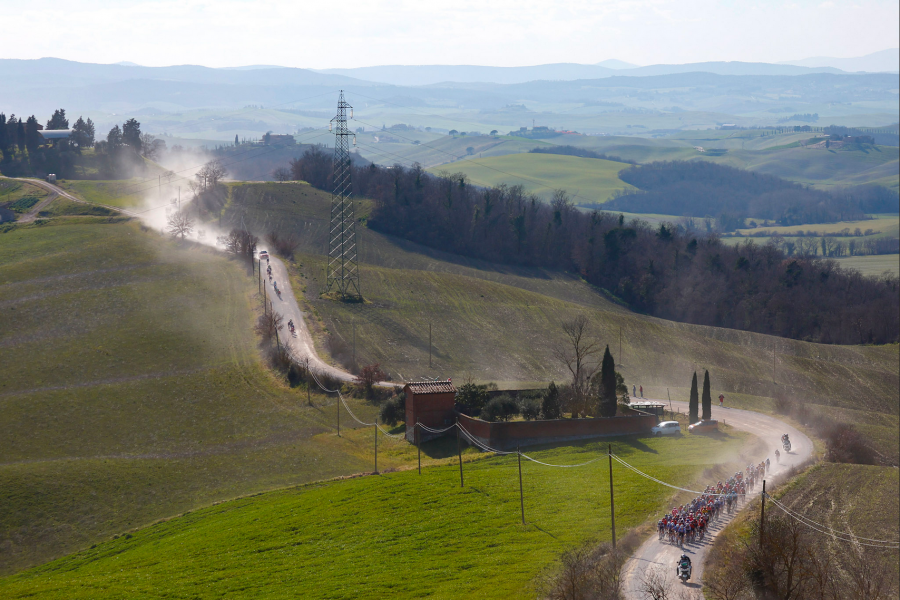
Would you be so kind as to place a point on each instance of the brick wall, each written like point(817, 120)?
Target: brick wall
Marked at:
point(506, 436)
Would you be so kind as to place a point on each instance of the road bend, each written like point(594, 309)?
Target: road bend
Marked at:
point(654, 553)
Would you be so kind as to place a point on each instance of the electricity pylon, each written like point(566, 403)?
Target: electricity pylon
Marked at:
point(343, 271)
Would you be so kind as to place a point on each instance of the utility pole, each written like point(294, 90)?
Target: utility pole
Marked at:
point(337, 405)
point(376, 445)
point(159, 188)
point(418, 446)
point(762, 515)
point(459, 453)
point(621, 360)
point(612, 501)
point(429, 344)
point(354, 344)
point(670, 399)
point(265, 300)
point(308, 393)
point(179, 197)
point(259, 277)
point(521, 493)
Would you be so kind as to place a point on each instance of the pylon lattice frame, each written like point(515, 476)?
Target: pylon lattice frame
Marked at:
point(343, 270)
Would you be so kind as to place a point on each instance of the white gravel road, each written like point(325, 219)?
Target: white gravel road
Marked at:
point(301, 342)
point(656, 554)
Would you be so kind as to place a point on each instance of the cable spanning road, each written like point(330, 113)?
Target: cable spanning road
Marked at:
point(663, 555)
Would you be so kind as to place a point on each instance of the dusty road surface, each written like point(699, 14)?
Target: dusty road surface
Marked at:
point(301, 343)
point(656, 554)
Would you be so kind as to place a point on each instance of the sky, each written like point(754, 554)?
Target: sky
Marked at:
point(355, 33)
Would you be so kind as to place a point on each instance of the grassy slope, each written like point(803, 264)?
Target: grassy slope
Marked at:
point(131, 379)
point(588, 180)
point(873, 265)
point(500, 323)
point(398, 535)
point(820, 167)
point(12, 191)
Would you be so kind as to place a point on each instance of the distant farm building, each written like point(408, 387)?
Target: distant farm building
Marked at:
point(53, 136)
point(277, 139)
point(429, 403)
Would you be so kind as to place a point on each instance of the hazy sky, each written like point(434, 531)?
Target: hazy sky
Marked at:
point(320, 34)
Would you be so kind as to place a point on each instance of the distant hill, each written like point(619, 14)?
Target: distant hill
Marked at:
point(885, 61)
point(433, 74)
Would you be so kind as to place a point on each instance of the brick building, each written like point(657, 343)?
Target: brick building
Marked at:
point(429, 403)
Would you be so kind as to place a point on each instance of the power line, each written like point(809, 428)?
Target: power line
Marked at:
point(841, 535)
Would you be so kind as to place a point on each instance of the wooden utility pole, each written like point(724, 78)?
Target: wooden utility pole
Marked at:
point(459, 453)
point(762, 515)
point(612, 501)
point(621, 360)
point(418, 446)
point(429, 344)
point(259, 277)
point(308, 393)
point(670, 399)
point(337, 405)
point(376, 445)
point(521, 493)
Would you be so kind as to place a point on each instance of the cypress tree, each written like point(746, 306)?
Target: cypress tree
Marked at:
point(706, 399)
point(608, 400)
point(693, 402)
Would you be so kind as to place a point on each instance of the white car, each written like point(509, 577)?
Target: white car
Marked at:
point(667, 428)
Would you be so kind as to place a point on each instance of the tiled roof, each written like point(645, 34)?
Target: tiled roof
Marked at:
point(431, 387)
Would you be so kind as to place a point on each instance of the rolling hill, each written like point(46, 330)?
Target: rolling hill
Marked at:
point(587, 180)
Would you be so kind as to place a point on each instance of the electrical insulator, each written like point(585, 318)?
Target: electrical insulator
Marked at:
point(351, 112)
point(354, 139)
point(329, 126)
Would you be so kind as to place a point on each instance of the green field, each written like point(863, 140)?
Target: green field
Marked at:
point(398, 535)
point(588, 180)
point(873, 265)
point(881, 225)
point(133, 390)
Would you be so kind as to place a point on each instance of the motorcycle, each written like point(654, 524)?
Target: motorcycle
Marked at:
point(787, 445)
point(684, 572)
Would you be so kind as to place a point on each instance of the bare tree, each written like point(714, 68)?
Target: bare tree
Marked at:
point(579, 353)
point(284, 245)
point(152, 148)
point(281, 174)
point(269, 323)
point(180, 224)
point(239, 242)
point(209, 174)
point(655, 585)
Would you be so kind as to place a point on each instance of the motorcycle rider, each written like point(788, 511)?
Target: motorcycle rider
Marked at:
point(683, 562)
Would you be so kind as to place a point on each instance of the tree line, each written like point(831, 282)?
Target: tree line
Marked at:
point(662, 271)
point(730, 195)
point(25, 152)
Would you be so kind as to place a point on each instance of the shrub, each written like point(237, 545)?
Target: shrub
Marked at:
point(392, 412)
point(530, 408)
point(473, 396)
point(501, 408)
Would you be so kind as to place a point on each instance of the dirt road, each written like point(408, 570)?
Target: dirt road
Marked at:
point(656, 554)
point(301, 343)
point(55, 191)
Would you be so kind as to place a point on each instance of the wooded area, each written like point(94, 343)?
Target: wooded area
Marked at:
point(704, 189)
point(665, 271)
